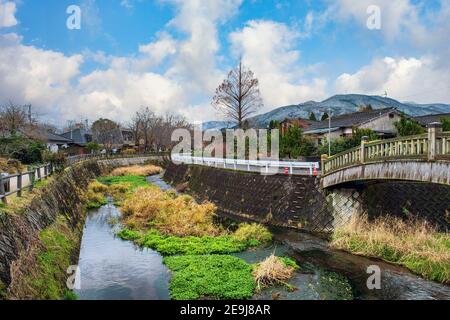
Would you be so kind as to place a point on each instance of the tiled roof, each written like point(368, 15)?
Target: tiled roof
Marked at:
point(426, 120)
point(78, 136)
point(351, 119)
point(52, 137)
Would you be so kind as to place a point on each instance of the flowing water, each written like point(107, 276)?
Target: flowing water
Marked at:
point(113, 269)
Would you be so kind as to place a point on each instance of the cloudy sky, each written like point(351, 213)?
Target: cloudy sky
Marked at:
point(170, 55)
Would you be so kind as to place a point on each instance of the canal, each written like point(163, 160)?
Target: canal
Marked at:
point(114, 269)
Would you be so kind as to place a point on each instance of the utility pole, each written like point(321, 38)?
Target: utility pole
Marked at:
point(29, 114)
point(329, 132)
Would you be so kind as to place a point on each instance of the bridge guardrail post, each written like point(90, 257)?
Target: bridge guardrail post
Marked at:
point(364, 141)
point(323, 159)
point(434, 129)
point(2, 189)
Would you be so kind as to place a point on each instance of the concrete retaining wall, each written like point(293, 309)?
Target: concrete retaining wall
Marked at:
point(299, 202)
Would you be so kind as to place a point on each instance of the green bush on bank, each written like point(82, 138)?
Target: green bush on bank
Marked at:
point(254, 234)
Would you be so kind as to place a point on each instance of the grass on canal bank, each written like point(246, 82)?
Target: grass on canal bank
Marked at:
point(44, 276)
point(415, 245)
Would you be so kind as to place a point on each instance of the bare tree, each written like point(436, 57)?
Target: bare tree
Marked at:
point(155, 131)
point(13, 118)
point(107, 133)
point(238, 96)
point(135, 126)
point(148, 122)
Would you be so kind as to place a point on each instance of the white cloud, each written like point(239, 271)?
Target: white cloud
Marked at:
point(32, 75)
point(52, 82)
point(422, 78)
point(267, 47)
point(196, 59)
point(7, 14)
point(407, 79)
point(396, 16)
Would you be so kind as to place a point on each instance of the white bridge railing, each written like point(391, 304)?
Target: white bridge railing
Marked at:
point(263, 166)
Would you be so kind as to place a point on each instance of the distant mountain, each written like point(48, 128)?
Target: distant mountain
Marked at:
point(342, 104)
point(218, 125)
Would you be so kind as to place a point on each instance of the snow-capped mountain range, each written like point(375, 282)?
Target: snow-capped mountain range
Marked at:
point(338, 104)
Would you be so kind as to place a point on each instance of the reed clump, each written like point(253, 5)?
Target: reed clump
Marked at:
point(273, 271)
point(414, 244)
point(137, 170)
point(150, 207)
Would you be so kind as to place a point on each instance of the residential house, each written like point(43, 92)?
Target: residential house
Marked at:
point(53, 141)
point(382, 121)
point(303, 124)
point(79, 137)
point(129, 140)
point(426, 120)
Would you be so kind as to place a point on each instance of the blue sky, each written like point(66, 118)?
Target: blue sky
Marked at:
point(171, 54)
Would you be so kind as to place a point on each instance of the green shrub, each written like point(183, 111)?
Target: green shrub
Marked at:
point(254, 234)
point(210, 276)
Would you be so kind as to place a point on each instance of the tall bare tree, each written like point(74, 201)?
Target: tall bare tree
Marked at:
point(238, 96)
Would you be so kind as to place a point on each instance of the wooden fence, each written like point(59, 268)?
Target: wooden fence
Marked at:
point(17, 183)
point(431, 146)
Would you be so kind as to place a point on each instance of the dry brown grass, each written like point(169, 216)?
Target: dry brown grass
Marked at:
point(147, 170)
point(272, 271)
point(414, 244)
point(150, 207)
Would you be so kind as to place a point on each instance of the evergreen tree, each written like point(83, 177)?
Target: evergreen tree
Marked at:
point(312, 116)
point(408, 127)
point(293, 144)
point(445, 124)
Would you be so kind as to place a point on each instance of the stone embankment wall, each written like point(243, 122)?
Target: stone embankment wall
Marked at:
point(287, 201)
point(299, 202)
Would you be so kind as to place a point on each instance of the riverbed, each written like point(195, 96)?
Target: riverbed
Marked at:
point(113, 269)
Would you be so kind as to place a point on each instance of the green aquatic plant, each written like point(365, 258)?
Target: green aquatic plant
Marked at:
point(210, 276)
point(333, 286)
point(133, 182)
point(171, 245)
